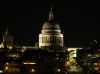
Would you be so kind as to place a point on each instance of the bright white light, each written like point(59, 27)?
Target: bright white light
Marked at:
point(10, 47)
point(7, 63)
point(58, 70)
point(32, 70)
point(57, 58)
point(1, 71)
point(69, 49)
point(14, 55)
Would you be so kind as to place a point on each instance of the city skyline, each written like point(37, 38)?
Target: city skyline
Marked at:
point(77, 19)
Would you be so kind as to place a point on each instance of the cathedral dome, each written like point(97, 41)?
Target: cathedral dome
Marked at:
point(50, 34)
point(51, 24)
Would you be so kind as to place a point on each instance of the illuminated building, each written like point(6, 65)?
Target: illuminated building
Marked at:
point(8, 40)
point(11, 68)
point(48, 56)
point(72, 55)
point(89, 58)
point(50, 33)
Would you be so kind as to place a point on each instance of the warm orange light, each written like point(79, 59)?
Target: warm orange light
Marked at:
point(6, 68)
point(68, 63)
point(29, 63)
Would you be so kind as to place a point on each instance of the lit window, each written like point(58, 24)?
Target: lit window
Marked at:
point(95, 63)
point(89, 55)
point(95, 68)
point(57, 58)
point(7, 63)
point(58, 70)
point(1, 71)
point(6, 68)
point(10, 47)
point(68, 63)
point(29, 63)
point(32, 70)
point(99, 63)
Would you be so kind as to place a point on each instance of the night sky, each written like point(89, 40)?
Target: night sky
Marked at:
point(79, 20)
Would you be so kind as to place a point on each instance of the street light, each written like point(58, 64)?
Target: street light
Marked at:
point(58, 70)
point(1, 71)
point(32, 70)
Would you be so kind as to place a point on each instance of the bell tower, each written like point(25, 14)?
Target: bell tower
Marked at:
point(8, 39)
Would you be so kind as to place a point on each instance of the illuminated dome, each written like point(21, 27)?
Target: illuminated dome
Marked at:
point(50, 34)
point(51, 24)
